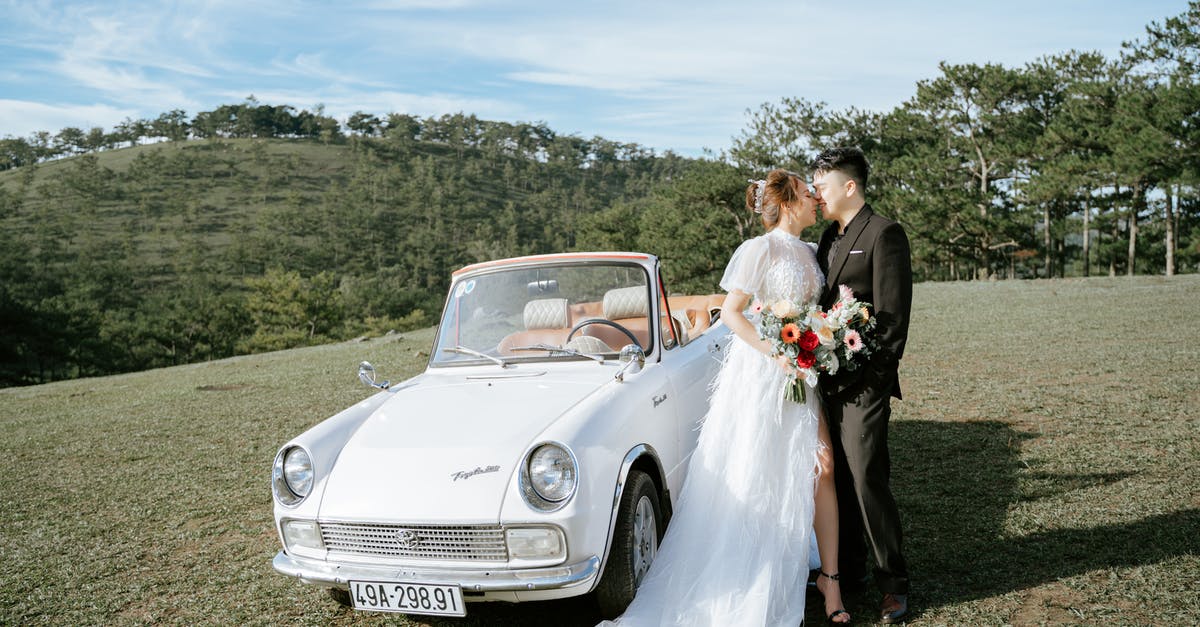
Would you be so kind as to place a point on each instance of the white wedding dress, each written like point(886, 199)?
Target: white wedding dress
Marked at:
point(737, 550)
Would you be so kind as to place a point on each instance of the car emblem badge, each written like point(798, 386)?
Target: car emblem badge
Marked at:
point(408, 539)
point(479, 470)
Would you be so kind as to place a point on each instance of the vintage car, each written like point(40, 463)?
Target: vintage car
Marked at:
point(536, 457)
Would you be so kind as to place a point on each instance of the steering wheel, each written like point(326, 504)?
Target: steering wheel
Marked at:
point(610, 323)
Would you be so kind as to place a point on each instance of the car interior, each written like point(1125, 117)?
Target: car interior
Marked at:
point(589, 327)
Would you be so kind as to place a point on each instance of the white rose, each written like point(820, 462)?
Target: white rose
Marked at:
point(783, 308)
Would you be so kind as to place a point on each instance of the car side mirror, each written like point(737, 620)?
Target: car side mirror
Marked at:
point(633, 358)
point(366, 374)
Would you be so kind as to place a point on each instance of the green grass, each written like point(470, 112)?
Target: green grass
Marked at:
point(1045, 458)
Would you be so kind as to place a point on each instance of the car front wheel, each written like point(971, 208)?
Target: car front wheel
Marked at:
point(639, 527)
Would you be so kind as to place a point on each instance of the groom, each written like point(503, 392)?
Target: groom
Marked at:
point(868, 253)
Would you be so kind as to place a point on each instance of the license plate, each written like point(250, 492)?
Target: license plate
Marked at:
point(407, 598)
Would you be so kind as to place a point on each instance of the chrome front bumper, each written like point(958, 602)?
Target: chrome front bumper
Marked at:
point(581, 574)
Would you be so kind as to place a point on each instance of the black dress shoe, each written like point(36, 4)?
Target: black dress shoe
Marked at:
point(893, 608)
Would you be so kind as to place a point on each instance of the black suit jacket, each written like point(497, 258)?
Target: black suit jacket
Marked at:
point(873, 260)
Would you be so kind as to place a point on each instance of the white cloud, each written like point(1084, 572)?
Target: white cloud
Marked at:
point(20, 118)
point(414, 5)
point(591, 81)
point(619, 52)
point(313, 66)
point(669, 75)
point(130, 57)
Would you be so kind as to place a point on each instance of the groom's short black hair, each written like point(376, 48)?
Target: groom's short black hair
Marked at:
point(848, 160)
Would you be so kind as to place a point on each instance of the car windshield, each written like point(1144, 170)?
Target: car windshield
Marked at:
point(545, 312)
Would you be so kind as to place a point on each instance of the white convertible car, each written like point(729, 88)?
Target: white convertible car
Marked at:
point(535, 458)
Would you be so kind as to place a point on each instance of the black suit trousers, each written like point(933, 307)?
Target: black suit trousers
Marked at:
point(858, 423)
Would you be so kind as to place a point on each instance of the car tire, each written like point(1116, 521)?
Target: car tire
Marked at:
point(340, 595)
point(639, 528)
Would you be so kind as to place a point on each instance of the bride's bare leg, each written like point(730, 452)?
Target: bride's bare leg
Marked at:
point(825, 524)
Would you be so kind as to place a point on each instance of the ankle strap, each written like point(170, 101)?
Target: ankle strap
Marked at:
point(835, 576)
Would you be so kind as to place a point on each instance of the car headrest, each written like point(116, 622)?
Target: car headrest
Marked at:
point(682, 327)
point(626, 302)
point(547, 313)
point(682, 318)
point(589, 344)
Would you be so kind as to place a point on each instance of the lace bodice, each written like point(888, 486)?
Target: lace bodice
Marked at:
point(775, 266)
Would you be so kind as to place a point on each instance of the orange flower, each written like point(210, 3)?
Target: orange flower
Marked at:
point(790, 333)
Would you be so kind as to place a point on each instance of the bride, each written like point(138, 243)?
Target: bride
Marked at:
point(737, 549)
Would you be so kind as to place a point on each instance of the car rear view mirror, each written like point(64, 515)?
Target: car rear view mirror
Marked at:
point(544, 287)
point(366, 374)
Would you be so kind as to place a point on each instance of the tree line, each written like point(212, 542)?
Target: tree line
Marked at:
point(252, 119)
point(1072, 165)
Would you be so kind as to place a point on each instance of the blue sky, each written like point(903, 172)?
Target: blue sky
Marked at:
point(669, 75)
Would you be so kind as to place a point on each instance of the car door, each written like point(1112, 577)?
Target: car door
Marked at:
point(693, 368)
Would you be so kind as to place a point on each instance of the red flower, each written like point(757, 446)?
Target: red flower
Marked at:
point(806, 359)
point(789, 333)
point(809, 341)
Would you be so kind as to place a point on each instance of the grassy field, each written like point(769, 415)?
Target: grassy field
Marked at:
point(1046, 458)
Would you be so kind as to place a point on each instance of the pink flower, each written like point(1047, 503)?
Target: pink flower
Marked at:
point(845, 293)
point(853, 341)
point(756, 307)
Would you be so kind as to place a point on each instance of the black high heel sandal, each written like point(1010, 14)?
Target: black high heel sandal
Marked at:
point(834, 614)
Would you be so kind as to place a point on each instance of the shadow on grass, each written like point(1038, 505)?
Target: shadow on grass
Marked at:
point(955, 483)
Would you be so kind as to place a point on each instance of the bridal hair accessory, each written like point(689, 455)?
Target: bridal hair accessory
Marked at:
point(760, 186)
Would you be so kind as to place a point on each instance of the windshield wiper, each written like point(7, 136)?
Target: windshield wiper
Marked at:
point(557, 349)
point(463, 350)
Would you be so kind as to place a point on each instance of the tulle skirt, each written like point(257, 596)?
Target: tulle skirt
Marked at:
point(739, 546)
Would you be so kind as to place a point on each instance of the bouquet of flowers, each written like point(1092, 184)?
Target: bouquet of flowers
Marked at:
point(816, 341)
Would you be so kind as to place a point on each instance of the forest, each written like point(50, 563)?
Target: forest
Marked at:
point(256, 227)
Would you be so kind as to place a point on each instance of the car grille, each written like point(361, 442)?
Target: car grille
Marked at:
point(483, 543)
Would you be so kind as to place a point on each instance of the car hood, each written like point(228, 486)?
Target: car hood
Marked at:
point(446, 448)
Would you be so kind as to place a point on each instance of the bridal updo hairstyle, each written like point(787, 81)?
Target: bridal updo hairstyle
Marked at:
point(782, 187)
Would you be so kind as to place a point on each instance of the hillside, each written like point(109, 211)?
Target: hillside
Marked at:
point(1038, 461)
point(173, 252)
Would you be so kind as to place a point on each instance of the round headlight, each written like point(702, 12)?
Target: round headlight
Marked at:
point(292, 475)
point(552, 472)
point(298, 472)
